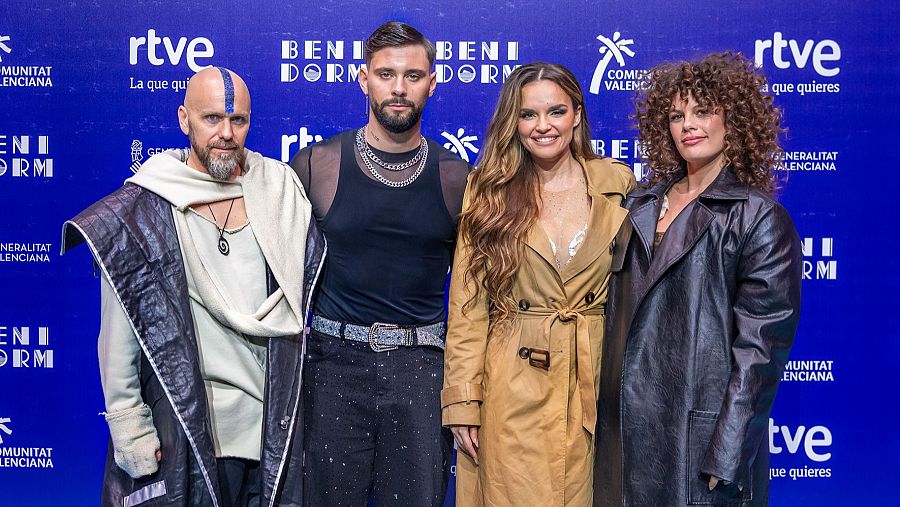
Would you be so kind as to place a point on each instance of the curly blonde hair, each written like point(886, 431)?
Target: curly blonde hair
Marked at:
point(504, 189)
point(726, 82)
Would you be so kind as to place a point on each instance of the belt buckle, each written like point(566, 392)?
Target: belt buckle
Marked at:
point(373, 336)
point(539, 362)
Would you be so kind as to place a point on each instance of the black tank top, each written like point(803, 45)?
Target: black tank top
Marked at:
point(389, 249)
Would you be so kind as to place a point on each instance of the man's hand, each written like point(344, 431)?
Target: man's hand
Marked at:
point(466, 438)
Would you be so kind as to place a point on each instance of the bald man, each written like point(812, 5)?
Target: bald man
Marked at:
point(206, 271)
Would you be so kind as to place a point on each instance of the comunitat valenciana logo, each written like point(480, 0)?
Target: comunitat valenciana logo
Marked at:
point(25, 156)
point(167, 51)
point(808, 370)
point(4, 429)
point(818, 258)
point(812, 443)
point(4, 48)
point(25, 347)
point(616, 77)
point(462, 144)
point(21, 457)
point(21, 76)
point(821, 56)
point(339, 61)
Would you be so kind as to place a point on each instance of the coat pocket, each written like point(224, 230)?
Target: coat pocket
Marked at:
point(701, 425)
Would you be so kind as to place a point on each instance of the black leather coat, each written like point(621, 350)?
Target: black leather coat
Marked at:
point(698, 333)
point(132, 236)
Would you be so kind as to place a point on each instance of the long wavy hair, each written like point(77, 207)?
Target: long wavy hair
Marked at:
point(720, 81)
point(504, 197)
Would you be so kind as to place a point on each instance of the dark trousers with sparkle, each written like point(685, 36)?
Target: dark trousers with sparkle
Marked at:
point(373, 425)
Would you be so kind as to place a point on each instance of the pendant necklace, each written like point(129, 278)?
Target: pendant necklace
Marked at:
point(224, 248)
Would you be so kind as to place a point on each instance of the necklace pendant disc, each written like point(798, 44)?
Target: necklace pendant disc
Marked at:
point(224, 248)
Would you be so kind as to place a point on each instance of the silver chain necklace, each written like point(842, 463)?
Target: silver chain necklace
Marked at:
point(377, 175)
point(363, 147)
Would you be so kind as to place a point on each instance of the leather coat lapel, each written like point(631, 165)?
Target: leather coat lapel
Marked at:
point(682, 235)
point(643, 220)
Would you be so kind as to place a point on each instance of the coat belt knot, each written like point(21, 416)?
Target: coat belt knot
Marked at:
point(584, 364)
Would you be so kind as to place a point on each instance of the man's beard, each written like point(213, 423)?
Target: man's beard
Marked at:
point(396, 123)
point(220, 166)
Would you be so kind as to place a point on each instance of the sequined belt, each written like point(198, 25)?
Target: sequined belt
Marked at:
point(381, 336)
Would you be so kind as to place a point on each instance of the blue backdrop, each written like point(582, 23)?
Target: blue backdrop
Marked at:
point(88, 90)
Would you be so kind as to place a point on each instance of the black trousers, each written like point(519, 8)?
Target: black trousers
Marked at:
point(373, 425)
point(238, 482)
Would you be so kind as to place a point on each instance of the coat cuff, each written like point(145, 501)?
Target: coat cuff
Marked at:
point(134, 439)
point(728, 473)
point(461, 404)
point(460, 393)
point(461, 414)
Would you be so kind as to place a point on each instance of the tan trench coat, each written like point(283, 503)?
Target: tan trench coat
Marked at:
point(536, 419)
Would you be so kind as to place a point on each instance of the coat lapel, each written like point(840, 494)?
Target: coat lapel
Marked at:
point(687, 229)
point(682, 235)
point(606, 217)
point(538, 241)
point(643, 212)
point(643, 220)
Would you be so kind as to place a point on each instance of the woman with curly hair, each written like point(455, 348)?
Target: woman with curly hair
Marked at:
point(704, 300)
point(527, 298)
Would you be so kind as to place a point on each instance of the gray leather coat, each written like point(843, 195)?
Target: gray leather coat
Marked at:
point(132, 236)
point(698, 333)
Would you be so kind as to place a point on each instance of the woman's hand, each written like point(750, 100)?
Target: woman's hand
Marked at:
point(714, 481)
point(466, 438)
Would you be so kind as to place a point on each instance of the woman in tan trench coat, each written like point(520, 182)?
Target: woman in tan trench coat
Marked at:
point(527, 296)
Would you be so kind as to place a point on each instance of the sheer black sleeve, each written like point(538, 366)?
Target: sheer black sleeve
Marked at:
point(318, 167)
point(454, 171)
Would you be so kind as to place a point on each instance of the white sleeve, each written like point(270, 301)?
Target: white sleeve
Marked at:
point(119, 354)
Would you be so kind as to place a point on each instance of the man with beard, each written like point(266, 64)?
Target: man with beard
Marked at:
point(202, 310)
point(387, 202)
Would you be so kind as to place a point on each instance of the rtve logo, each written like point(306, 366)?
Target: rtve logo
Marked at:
point(815, 440)
point(190, 51)
point(302, 139)
point(818, 53)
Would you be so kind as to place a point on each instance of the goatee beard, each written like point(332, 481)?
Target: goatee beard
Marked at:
point(219, 167)
point(396, 123)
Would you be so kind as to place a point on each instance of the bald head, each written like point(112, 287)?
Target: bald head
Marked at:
point(217, 84)
point(216, 117)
